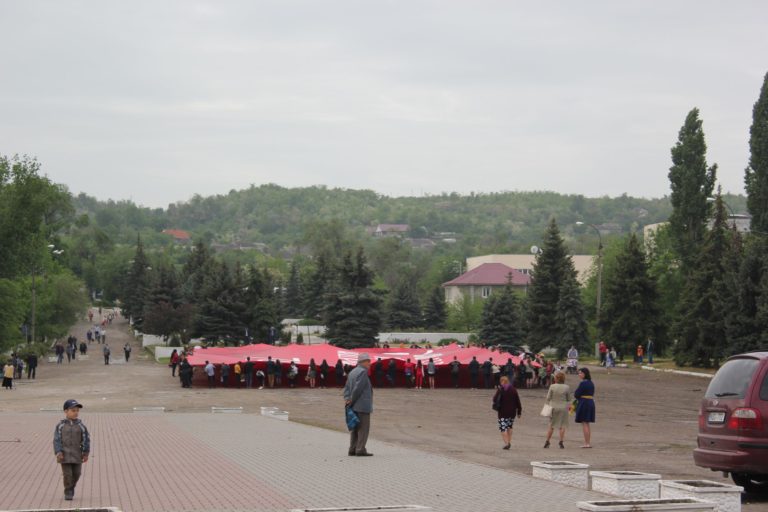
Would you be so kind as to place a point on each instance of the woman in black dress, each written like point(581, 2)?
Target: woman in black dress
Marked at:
point(506, 402)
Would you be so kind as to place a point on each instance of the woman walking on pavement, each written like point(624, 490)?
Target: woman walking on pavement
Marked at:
point(585, 407)
point(506, 402)
point(559, 399)
point(174, 362)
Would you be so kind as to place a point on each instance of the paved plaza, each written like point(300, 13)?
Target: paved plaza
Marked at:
point(217, 462)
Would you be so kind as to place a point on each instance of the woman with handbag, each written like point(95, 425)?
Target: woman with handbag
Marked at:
point(506, 402)
point(558, 400)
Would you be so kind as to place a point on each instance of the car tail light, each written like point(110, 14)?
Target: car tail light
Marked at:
point(745, 418)
point(702, 419)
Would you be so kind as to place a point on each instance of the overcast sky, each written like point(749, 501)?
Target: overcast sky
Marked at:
point(159, 100)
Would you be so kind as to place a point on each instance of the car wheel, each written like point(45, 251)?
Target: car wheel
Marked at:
point(756, 484)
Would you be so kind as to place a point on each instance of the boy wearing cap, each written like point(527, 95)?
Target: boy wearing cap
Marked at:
point(72, 445)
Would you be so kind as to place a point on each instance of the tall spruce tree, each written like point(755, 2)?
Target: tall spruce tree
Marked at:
point(294, 300)
point(165, 313)
point(501, 320)
point(194, 272)
point(701, 327)
point(570, 317)
point(745, 332)
point(403, 308)
point(434, 309)
point(219, 315)
point(756, 175)
point(137, 283)
point(353, 317)
point(631, 310)
point(262, 311)
point(318, 287)
point(692, 183)
point(551, 269)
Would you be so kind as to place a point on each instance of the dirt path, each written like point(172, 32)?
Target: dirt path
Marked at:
point(646, 421)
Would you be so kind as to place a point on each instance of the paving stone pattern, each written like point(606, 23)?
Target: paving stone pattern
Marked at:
point(192, 462)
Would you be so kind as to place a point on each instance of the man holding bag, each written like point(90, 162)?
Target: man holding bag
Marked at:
point(358, 396)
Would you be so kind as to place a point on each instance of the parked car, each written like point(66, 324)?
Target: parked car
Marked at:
point(733, 422)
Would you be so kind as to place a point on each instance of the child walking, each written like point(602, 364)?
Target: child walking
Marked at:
point(72, 445)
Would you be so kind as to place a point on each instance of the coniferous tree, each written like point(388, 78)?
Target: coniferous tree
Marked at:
point(403, 309)
point(501, 321)
point(551, 269)
point(756, 175)
point(218, 313)
point(294, 300)
point(137, 285)
point(353, 316)
point(164, 312)
point(630, 311)
point(570, 317)
point(701, 326)
point(745, 330)
point(195, 270)
point(317, 288)
point(434, 309)
point(692, 183)
point(262, 305)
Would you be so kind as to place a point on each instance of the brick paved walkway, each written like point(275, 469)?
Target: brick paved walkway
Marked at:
point(248, 462)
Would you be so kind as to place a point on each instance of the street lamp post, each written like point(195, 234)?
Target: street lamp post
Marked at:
point(599, 273)
point(57, 252)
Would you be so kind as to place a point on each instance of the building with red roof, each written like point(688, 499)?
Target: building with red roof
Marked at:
point(179, 235)
point(483, 281)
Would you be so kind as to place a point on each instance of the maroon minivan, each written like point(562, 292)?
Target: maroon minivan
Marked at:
point(733, 422)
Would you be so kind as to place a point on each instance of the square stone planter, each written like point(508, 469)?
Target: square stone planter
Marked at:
point(627, 484)
point(727, 497)
point(562, 471)
point(657, 505)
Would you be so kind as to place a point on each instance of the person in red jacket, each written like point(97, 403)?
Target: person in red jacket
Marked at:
point(174, 362)
point(506, 402)
point(419, 374)
point(603, 349)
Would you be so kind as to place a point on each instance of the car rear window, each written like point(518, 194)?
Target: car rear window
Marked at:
point(764, 388)
point(732, 380)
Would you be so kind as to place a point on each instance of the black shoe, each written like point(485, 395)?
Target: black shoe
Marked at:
point(69, 495)
point(506, 447)
point(546, 444)
point(364, 454)
point(560, 444)
point(351, 454)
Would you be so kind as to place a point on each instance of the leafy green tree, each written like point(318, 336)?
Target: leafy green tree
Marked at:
point(692, 184)
point(353, 317)
point(434, 309)
point(756, 174)
point(262, 305)
point(501, 321)
point(13, 308)
point(631, 310)
point(701, 326)
point(552, 268)
point(464, 315)
point(61, 300)
point(403, 309)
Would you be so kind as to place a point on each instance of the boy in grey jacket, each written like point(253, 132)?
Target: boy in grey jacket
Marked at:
point(72, 445)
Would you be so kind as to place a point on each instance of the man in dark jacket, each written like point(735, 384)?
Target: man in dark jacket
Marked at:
point(455, 369)
point(248, 372)
point(31, 365)
point(378, 371)
point(358, 395)
point(474, 371)
point(487, 373)
point(72, 446)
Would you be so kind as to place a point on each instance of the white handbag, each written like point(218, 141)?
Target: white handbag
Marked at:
point(546, 411)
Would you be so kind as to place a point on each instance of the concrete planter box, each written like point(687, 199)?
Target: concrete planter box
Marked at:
point(394, 508)
point(658, 505)
point(226, 410)
point(727, 497)
point(562, 471)
point(627, 484)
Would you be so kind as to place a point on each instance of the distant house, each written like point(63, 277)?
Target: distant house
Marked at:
point(179, 235)
point(239, 246)
point(483, 281)
point(421, 243)
point(383, 230)
point(524, 263)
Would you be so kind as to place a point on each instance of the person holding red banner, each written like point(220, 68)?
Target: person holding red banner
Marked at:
point(419, 374)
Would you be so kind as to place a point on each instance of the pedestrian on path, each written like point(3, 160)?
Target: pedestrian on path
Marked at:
point(249, 372)
point(358, 395)
point(506, 402)
point(31, 366)
point(224, 373)
point(293, 372)
point(585, 407)
point(174, 362)
point(488, 373)
point(391, 372)
point(455, 371)
point(324, 369)
point(474, 371)
point(238, 370)
point(338, 373)
point(185, 373)
point(559, 399)
point(409, 369)
point(8, 370)
point(72, 446)
point(59, 350)
point(83, 348)
point(419, 374)
point(278, 373)
point(312, 373)
point(105, 350)
point(127, 351)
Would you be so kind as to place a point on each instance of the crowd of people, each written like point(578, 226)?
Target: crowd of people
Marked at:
point(15, 366)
